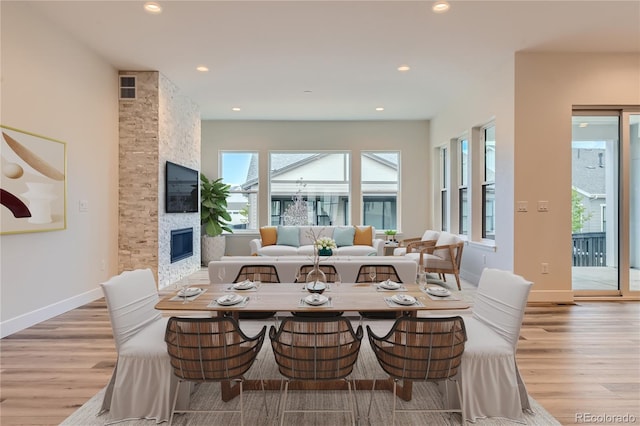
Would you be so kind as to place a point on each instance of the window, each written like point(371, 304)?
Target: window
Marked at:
point(444, 179)
point(309, 188)
point(380, 177)
point(463, 182)
point(240, 170)
point(488, 135)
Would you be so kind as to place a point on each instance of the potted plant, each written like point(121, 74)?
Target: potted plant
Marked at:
point(391, 235)
point(213, 218)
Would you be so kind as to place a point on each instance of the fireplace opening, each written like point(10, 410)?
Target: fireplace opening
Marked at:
point(181, 244)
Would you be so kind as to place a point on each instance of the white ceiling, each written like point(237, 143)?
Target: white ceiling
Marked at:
point(264, 55)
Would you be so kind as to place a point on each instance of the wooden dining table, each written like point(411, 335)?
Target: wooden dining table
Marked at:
point(289, 297)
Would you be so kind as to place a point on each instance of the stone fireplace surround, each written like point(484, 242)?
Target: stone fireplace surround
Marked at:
point(159, 125)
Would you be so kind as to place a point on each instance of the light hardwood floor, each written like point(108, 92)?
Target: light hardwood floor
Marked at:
point(576, 360)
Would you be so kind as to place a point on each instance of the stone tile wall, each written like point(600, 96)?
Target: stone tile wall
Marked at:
point(157, 126)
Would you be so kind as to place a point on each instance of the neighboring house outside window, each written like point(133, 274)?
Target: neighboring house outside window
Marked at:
point(242, 204)
point(380, 184)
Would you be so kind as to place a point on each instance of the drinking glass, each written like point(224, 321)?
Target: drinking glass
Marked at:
point(298, 277)
point(372, 274)
point(422, 280)
point(337, 280)
point(257, 280)
point(221, 274)
point(184, 285)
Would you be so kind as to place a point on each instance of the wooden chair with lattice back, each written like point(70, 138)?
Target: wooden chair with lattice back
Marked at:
point(381, 273)
point(316, 349)
point(421, 349)
point(330, 274)
point(211, 350)
point(266, 274)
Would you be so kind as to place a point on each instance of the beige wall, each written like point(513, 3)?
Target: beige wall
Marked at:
point(547, 87)
point(531, 100)
point(410, 137)
point(52, 85)
point(489, 99)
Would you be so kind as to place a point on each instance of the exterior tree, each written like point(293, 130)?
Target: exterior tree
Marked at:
point(579, 213)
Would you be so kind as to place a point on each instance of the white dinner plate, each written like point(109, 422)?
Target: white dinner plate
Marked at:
point(230, 299)
point(188, 292)
point(316, 299)
point(438, 291)
point(244, 285)
point(390, 285)
point(404, 299)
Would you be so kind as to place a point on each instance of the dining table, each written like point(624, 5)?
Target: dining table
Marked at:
point(232, 298)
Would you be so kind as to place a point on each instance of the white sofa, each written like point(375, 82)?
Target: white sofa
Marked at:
point(303, 244)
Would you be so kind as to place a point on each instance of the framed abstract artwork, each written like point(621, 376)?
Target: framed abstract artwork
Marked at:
point(33, 183)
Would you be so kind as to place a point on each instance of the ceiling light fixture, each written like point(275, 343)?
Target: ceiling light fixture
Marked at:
point(202, 68)
point(235, 109)
point(404, 68)
point(380, 109)
point(440, 6)
point(153, 7)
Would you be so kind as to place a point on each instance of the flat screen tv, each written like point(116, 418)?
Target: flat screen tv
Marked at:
point(182, 189)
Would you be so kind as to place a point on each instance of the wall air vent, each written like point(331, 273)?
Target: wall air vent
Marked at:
point(127, 87)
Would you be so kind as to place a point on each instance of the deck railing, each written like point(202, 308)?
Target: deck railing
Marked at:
point(589, 249)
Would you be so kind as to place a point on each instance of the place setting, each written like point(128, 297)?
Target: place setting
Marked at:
point(246, 285)
point(188, 294)
point(316, 300)
point(388, 285)
point(399, 300)
point(234, 300)
point(438, 293)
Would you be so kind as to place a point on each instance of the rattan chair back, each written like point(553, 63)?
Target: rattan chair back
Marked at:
point(425, 349)
point(268, 273)
point(329, 272)
point(315, 348)
point(210, 349)
point(383, 273)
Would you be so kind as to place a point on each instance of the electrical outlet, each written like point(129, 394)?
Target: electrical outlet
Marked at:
point(545, 268)
point(83, 206)
point(522, 206)
point(543, 206)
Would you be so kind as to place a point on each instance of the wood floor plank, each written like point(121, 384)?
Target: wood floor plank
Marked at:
point(582, 358)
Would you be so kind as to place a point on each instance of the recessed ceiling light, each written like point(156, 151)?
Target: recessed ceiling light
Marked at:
point(404, 68)
point(307, 91)
point(235, 109)
point(153, 7)
point(380, 109)
point(583, 125)
point(440, 6)
point(202, 68)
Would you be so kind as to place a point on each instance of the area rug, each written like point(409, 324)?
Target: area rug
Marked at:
point(207, 397)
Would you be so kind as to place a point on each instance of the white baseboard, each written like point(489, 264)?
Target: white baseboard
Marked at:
point(23, 321)
point(551, 296)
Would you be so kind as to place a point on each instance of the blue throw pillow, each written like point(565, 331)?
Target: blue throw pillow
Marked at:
point(288, 236)
point(343, 236)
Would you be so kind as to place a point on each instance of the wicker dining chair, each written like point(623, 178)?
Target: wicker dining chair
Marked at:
point(211, 350)
point(330, 273)
point(268, 274)
point(421, 349)
point(383, 273)
point(315, 349)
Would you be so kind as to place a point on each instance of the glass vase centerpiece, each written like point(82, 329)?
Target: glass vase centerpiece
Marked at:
point(316, 279)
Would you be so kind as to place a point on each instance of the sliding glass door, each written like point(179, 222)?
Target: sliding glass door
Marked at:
point(605, 201)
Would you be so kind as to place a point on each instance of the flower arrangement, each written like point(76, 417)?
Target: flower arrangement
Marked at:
point(326, 243)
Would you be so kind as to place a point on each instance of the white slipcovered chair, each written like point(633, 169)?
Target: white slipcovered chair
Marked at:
point(142, 385)
point(443, 257)
point(489, 377)
point(412, 244)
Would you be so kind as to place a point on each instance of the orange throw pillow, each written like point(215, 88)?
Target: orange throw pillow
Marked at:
point(363, 236)
point(269, 235)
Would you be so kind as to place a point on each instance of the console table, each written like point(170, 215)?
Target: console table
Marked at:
point(347, 266)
